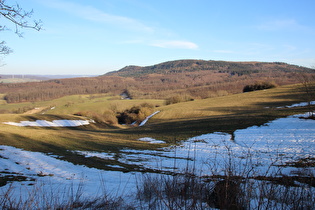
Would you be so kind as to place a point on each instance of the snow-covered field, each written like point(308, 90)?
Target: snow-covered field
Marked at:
point(266, 147)
point(56, 177)
point(273, 144)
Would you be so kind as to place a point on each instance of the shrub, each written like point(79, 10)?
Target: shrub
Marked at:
point(110, 117)
point(22, 110)
point(259, 86)
point(135, 114)
point(178, 98)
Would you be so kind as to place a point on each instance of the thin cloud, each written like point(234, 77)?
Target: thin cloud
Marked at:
point(96, 15)
point(175, 44)
point(280, 24)
point(289, 48)
point(224, 51)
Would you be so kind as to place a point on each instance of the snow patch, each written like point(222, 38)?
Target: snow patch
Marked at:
point(102, 155)
point(54, 123)
point(151, 140)
point(147, 118)
point(297, 105)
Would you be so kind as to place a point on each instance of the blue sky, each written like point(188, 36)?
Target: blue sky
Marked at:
point(94, 37)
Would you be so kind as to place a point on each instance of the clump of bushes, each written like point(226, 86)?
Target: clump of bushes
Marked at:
point(178, 99)
point(135, 114)
point(259, 86)
point(108, 116)
point(22, 110)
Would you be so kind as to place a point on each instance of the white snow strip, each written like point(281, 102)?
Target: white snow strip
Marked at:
point(147, 118)
point(102, 155)
point(151, 140)
point(54, 123)
point(297, 105)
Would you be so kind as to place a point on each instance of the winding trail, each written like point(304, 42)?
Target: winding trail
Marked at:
point(35, 110)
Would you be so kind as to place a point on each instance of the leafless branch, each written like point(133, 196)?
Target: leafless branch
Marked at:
point(20, 19)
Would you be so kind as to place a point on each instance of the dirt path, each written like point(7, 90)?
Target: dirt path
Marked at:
point(35, 110)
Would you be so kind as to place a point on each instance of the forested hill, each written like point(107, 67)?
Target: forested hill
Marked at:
point(191, 78)
point(179, 66)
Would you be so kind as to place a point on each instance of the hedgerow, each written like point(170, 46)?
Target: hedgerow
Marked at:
point(259, 86)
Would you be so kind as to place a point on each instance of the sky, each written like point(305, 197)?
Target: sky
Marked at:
point(95, 37)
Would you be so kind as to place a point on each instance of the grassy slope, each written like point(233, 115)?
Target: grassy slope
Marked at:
point(233, 104)
point(222, 114)
point(175, 122)
point(72, 104)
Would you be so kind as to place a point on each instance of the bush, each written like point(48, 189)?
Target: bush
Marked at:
point(22, 110)
point(110, 117)
point(178, 98)
point(135, 114)
point(259, 86)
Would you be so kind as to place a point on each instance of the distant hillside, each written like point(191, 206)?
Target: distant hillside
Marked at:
point(179, 66)
point(192, 78)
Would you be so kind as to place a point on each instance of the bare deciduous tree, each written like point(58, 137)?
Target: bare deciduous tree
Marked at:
point(19, 18)
point(308, 87)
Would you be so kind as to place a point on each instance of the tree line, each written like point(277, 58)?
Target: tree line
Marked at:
point(194, 85)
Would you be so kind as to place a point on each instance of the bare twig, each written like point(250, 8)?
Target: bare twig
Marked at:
point(20, 19)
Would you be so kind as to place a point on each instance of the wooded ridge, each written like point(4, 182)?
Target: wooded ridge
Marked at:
point(179, 66)
point(195, 78)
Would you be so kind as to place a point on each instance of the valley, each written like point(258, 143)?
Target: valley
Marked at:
point(253, 139)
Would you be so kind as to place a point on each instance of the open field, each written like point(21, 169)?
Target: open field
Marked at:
point(194, 109)
point(98, 154)
point(77, 103)
point(174, 123)
point(199, 116)
point(233, 104)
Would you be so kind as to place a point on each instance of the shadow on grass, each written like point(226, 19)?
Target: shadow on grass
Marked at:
point(63, 152)
point(177, 130)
